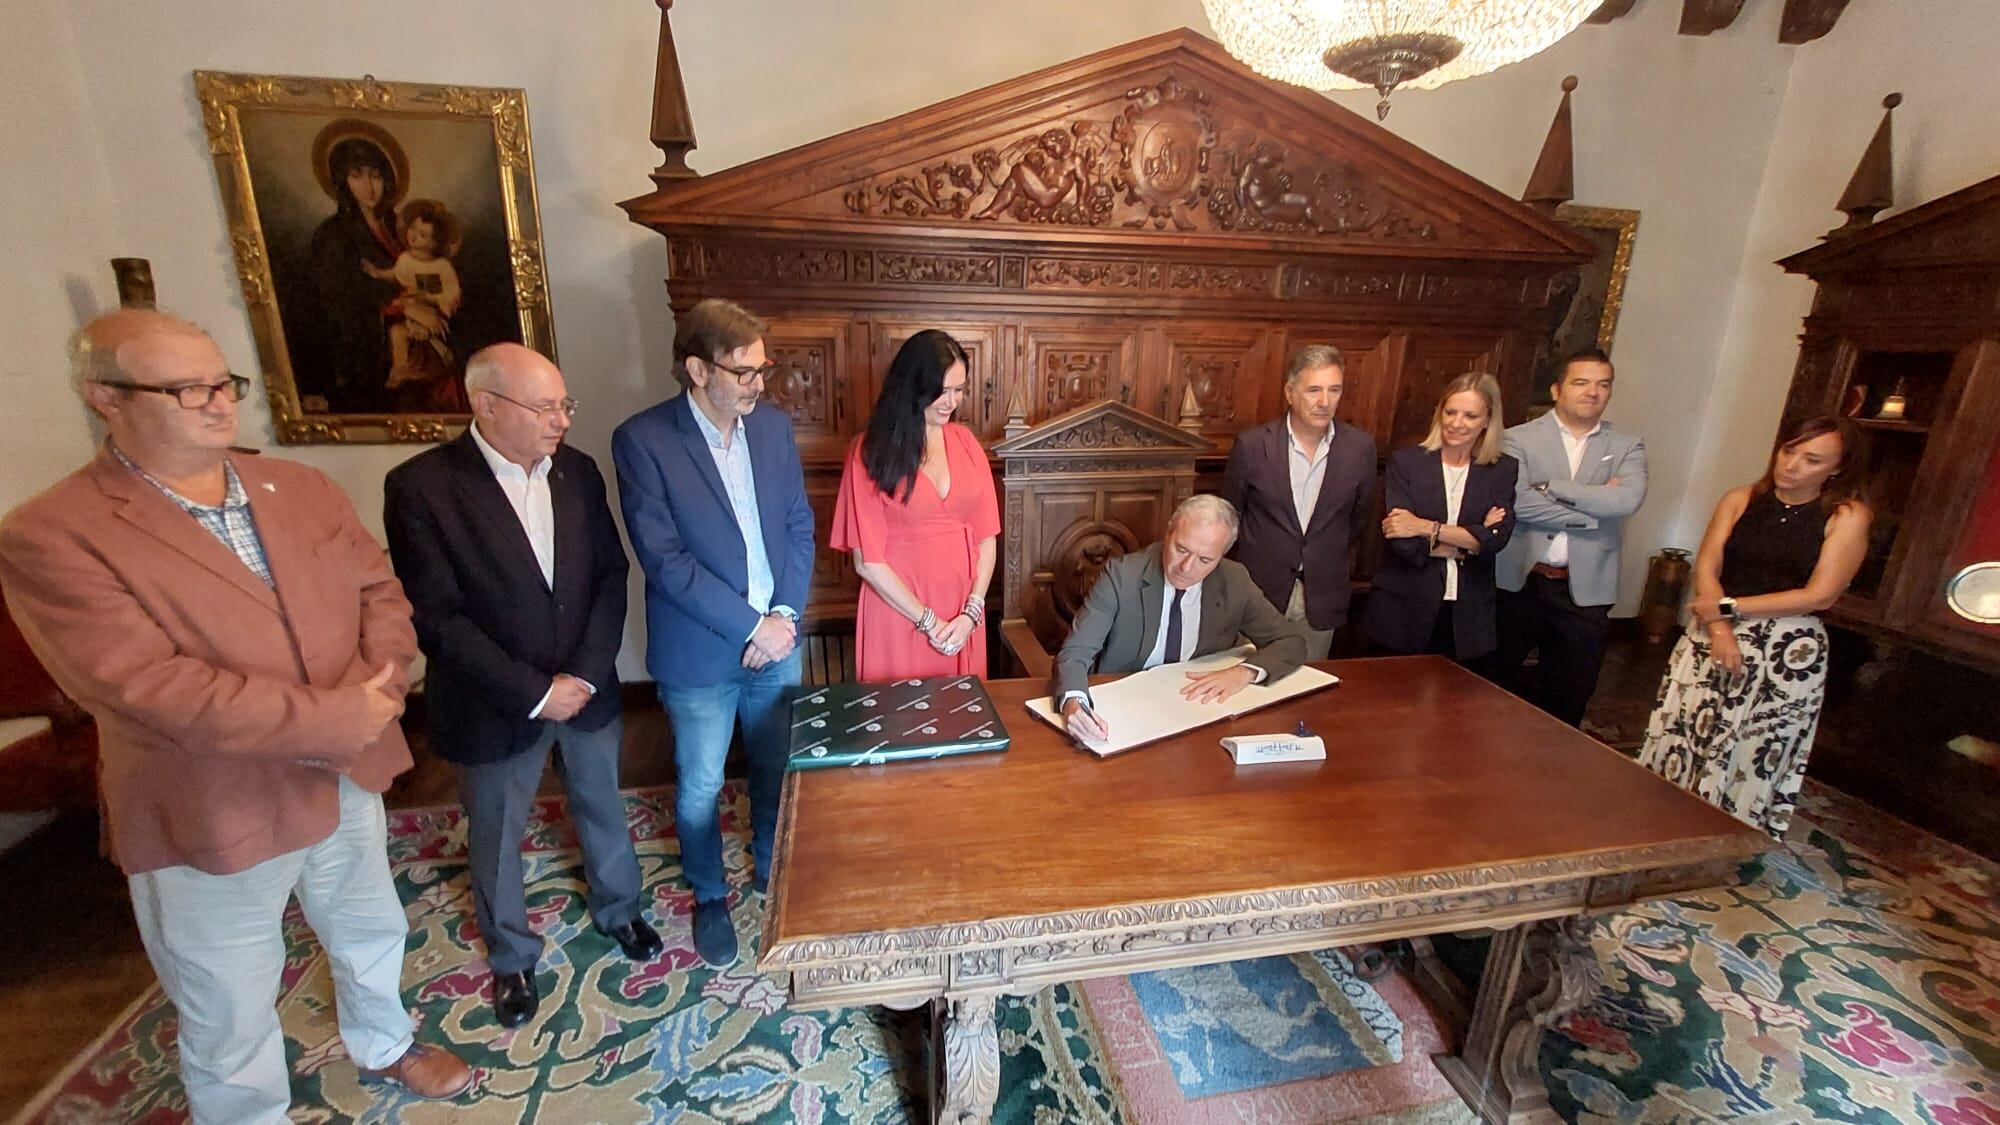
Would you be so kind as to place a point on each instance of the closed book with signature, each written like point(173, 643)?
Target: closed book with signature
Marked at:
point(870, 724)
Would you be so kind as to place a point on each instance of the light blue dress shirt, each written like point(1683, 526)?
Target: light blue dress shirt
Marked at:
point(732, 462)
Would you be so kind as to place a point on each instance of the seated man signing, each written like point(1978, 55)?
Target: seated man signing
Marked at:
point(1172, 602)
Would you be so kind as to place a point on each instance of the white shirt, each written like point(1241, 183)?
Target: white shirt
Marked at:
point(732, 463)
point(1558, 553)
point(1308, 471)
point(528, 494)
point(1454, 496)
point(1190, 625)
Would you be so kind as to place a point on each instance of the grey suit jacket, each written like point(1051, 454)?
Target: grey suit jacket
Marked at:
point(1120, 620)
point(1589, 508)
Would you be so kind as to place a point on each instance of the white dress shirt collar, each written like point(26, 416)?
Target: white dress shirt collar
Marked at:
point(498, 462)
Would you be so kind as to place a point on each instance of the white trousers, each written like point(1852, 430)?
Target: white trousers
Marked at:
point(217, 943)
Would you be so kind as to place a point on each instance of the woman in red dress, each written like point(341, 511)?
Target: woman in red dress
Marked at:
point(917, 509)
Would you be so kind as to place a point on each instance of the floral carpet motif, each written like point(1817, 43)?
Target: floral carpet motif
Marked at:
point(1855, 978)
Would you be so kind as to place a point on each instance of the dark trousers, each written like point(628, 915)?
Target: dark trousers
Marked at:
point(498, 798)
point(1444, 642)
point(1568, 639)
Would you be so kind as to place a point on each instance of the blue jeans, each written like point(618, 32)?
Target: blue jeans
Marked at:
point(703, 719)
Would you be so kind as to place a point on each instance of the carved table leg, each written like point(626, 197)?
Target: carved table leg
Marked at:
point(1535, 974)
point(965, 1054)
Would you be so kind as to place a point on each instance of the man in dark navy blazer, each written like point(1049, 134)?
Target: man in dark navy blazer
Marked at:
point(715, 504)
point(1304, 487)
point(505, 545)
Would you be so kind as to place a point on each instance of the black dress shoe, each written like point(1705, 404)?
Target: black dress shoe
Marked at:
point(514, 998)
point(636, 938)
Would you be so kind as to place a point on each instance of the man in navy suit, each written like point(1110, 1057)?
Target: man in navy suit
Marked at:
point(715, 505)
point(507, 550)
point(1305, 489)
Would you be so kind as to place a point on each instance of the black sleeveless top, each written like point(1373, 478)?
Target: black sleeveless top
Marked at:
point(1774, 546)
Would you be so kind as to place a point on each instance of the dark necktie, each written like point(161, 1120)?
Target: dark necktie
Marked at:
point(1172, 654)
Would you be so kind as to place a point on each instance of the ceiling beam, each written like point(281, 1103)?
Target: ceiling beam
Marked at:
point(1807, 20)
point(1610, 10)
point(1703, 17)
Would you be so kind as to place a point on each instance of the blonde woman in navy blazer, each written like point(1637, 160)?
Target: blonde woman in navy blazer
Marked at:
point(1450, 504)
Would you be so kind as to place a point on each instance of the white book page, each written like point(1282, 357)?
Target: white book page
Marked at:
point(1148, 706)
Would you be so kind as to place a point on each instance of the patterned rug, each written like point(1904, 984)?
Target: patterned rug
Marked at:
point(1853, 980)
point(1855, 977)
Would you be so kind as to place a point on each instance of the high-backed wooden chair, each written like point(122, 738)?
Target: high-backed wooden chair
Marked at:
point(1081, 489)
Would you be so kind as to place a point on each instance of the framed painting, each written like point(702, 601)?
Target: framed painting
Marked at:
point(1584, 303)
point(383, 232)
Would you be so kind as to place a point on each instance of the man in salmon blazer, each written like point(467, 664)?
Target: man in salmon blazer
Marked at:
point(244, 648)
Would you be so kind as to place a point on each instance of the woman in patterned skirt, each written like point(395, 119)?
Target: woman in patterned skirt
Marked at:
point(1741, 701)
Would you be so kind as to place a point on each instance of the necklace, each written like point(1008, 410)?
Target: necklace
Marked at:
point(1787, 511)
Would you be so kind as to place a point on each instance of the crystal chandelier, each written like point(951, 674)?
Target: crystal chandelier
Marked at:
point(1384, 44)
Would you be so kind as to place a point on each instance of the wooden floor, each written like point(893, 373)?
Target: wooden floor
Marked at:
point(70, 958)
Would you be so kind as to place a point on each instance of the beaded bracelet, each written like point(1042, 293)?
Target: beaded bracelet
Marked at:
point(928, 621)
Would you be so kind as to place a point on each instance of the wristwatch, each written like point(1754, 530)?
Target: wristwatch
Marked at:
point(1727, 608)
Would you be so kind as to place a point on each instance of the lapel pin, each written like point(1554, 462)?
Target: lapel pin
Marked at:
point(269, 487)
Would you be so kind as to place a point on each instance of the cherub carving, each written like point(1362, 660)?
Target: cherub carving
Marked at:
point(1264, 189)
point(1055, 175)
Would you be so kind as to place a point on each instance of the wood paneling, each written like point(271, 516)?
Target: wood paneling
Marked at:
point(1125, 227)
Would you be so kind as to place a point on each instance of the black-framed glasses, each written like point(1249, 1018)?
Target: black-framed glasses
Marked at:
point(746, 375)
point(566, 406)
point(191, 396)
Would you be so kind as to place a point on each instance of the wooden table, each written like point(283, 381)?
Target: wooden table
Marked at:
point(1444, 804)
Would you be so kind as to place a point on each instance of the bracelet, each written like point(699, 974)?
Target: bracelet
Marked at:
point(928, 621)
point(975, 609)
point(1437, 529)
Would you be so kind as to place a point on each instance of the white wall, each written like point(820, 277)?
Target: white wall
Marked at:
point(1938, 53)
point(1676, 127)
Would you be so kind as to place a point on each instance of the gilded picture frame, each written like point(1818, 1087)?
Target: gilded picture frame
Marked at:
point(1584, 304)
point(383, 232)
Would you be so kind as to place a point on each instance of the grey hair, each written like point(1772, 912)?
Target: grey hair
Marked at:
point(482, 371)
point(95, 360)
point(1311, 356)
point(1207, 507)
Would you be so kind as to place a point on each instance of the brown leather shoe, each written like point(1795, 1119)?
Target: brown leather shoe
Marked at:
point(427, 1072)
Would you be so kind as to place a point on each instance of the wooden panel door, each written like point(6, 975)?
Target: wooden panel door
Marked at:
point(1069, 363)
point(988, 383)
point(1229, 368)
point(816, 382)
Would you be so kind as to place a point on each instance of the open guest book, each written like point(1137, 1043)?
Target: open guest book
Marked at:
point(1148, 706)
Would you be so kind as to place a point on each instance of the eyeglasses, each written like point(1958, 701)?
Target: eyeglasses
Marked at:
point(746, 375)
point(191, 396)
point(566, 406)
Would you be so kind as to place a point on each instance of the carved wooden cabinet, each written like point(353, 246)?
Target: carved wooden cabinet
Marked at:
point(1153, 225)
point(1908, 310)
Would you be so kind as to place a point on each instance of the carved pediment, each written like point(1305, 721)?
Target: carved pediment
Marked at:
point(1167, 134)
point(1107, 429)
point(1960, 229)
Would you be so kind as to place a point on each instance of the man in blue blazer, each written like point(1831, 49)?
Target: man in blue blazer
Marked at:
point(1580, 480)
point(715, 506)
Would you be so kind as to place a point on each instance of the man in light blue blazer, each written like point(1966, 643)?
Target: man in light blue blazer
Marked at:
point(715, 506)
point(1580, 479)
